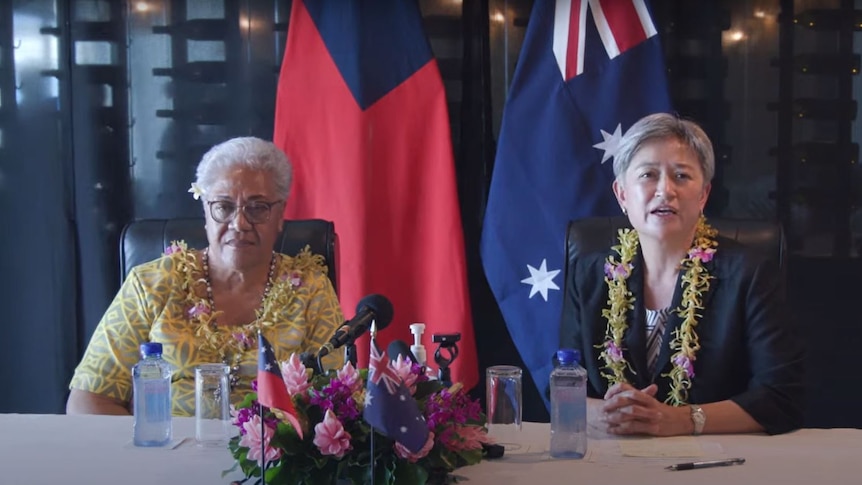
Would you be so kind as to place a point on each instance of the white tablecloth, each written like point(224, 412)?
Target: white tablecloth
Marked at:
point(97, 450)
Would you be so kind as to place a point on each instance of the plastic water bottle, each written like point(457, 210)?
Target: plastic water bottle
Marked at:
point(568, 406)
point(151, 378)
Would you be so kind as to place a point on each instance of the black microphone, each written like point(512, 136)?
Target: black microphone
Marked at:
point(309, 360)
point(399, 347)
point(375, 308)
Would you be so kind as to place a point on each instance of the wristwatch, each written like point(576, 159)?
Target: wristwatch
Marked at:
point(698, 418)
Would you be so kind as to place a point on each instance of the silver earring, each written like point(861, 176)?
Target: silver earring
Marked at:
point(625, 212)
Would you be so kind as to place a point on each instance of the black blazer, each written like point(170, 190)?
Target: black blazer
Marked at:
point(749, 352)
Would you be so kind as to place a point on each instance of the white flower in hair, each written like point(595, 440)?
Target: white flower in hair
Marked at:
point(196, 191)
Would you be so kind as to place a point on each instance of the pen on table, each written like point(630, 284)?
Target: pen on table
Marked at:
point(706, 464)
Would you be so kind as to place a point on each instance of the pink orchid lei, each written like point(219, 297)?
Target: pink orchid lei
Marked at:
point(685, 344)
point(336, 442)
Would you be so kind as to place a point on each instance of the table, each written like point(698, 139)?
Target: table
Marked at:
point(97, 450)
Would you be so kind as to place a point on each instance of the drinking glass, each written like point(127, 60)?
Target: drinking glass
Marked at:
point(212, 405)
point(503, 394)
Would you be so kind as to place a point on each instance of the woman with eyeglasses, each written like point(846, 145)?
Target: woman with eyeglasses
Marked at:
point(208, 305)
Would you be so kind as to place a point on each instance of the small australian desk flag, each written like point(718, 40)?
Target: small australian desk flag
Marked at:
point(389, 407)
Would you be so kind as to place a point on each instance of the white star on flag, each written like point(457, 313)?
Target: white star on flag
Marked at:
point(611, 143)
point(541, 280)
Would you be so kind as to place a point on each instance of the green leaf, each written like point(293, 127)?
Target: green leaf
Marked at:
point(471, 457)
point(407, 473)
point(321, 476)
point(271, 473)
point(230, 470)
point(247, 400)
point(426, 388)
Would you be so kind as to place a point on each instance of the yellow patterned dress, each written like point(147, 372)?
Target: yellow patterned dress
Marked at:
point(166, 301)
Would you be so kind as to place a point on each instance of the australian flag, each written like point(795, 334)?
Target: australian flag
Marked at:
point(588, 69)
point(389, 407)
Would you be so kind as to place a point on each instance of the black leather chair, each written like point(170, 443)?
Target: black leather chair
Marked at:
point(146, 240)
point(600, 233)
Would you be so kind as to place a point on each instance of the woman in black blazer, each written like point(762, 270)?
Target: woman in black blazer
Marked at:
point(683, 332)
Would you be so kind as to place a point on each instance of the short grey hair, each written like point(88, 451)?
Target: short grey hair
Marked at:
point(662, 126)
point(246, 152)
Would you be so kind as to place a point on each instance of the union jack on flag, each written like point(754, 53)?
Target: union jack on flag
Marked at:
point(621, 25)
point(389, 406)
point(588, 69)
point(380, 369)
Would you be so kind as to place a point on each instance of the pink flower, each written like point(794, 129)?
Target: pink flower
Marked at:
point(173, 248)
point(404, 368)
point(295, 376)
point(617, 271)
point(613, 351)
point(243, 339)
point(252, 440)
point(330, 436)
point(198, 310)
point(685, 363)
point(705, 255)
point(403, 452)
point(295, 279)
point(464, 437)
point(350, 377)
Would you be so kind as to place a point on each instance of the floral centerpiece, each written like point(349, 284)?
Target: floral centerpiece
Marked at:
point(337, 441)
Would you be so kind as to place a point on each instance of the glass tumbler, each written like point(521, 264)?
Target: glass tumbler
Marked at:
point(212, 405)
point(503, 400)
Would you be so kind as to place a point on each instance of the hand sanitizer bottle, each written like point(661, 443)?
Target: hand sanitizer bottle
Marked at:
point(417, 329)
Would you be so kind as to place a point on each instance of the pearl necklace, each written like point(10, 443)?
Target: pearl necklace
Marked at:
point(233, 361)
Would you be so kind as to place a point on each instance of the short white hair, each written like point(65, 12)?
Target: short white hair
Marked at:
point(246, 152)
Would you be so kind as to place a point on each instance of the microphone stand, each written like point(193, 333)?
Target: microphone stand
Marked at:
point(443, 362)
point(350, 349)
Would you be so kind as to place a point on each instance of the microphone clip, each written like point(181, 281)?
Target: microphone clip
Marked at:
point(447, 342)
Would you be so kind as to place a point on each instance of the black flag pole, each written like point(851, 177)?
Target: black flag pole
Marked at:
point(262, 448)
point(371, 441)
point(262, 430)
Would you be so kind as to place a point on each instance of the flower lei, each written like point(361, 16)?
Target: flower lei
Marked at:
point(695, 281)
point(230, 343)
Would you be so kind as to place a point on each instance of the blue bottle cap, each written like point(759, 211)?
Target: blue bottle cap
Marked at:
point(151, 348)
point(568, 356)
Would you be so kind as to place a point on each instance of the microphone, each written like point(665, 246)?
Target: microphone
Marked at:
point(373, 307)
point(399, 347)
point(309, 360)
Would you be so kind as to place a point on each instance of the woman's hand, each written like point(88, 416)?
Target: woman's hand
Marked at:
point(628, 411)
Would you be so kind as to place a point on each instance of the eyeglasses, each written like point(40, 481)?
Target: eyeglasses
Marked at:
point(256, 212)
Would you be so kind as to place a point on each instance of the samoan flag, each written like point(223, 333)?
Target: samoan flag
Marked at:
point(389, 406)
point(271, 389)
point(587, 71)
point(361, 113)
